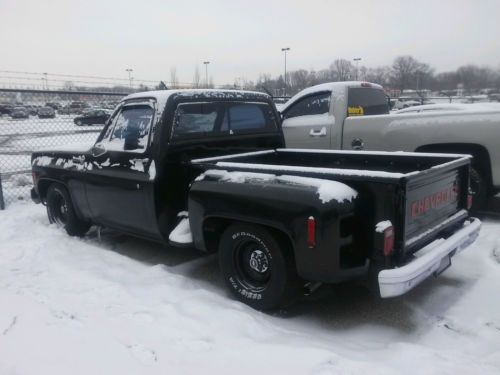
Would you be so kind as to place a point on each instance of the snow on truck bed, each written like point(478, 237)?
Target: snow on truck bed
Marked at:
point(327, 190)
point(127, 306)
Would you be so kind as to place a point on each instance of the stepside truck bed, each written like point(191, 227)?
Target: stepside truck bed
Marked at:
point(420, 194)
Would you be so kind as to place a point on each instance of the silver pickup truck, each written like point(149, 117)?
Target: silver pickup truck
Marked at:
point(355, 116)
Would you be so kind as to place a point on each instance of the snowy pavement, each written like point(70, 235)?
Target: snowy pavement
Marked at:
point(127, 306)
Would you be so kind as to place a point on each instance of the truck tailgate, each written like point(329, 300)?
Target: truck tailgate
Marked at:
point(432, 204)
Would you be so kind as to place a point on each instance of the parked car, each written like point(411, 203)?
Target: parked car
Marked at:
point(92, 117)
point(74, 108)
point(354, 116)
point(20, 112)
point(5, 108)
point(406, 102)
point(164, 168)
point(54, 105)
point(46, 112)
point(32, 109)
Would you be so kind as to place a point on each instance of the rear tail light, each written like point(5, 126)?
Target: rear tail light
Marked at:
point(388, 240)
point(470, 199)
point(311, 232)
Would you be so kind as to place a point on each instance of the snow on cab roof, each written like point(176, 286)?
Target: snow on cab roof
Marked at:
point(161, 96)
point(339, 87)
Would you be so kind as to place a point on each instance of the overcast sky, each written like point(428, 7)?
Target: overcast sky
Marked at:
point(241, 38)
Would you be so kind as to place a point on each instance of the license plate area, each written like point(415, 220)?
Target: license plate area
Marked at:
point(445, 264)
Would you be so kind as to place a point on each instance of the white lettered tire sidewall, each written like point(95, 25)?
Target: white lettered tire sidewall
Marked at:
point(277, 290)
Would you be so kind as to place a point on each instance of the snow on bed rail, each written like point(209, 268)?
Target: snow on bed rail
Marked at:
point(254, 153)
point(327, 190)
point(386, 153)
point(321, 170)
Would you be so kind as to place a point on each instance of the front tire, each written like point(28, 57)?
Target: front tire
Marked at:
point(60, 211)
point(257, 267)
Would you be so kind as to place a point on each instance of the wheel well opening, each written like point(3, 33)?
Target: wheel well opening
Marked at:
point(43, 187)
point(481, 157)
point(213, 228)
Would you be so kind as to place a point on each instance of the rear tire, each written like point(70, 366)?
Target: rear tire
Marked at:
point(257, 267)
point(60, 211)
point(479, 190)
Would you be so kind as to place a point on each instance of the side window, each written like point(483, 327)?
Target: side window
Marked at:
point(130, 128)
point(195, 119)
point(311, 105)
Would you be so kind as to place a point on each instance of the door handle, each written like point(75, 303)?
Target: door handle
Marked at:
point(318, 133)
point(357, 144)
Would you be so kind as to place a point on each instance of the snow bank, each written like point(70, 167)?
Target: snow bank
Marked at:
point(127, 306)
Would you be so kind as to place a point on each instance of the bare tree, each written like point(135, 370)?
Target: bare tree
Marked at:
point(173, 77)
point(474, 77)
point(299, 80)
point(342, 69)
point(407, 72)
point(68, 85)
point(196, 77)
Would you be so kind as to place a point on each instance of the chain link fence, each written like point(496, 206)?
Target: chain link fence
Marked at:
point(31, 120)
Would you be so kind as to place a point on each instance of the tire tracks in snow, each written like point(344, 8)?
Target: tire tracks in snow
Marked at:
point(11, 325)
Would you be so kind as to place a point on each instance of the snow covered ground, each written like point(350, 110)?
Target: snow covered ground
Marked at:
point(126, 306)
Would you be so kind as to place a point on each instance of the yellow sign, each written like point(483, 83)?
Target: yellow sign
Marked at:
point(355, 111)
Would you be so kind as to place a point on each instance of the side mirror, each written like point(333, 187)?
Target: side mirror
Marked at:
point(98, 150)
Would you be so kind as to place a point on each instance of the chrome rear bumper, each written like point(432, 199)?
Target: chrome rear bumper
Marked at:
point(430, 260)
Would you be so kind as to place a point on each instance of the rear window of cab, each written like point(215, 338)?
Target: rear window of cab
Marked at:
point(194, 120)
point(367, 101)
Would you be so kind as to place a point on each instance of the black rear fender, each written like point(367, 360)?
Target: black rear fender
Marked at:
point(285, 209)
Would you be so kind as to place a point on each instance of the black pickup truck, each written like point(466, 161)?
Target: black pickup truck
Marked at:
point(207, 168)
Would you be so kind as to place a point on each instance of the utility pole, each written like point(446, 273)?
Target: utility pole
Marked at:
point(129, 71)
point(206, 71)
point(285, 50)
point(357, 60)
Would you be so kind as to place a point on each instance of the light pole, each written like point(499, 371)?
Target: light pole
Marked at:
point(285, 50)
point(46, 80)
point(129, 71)
point(357, 60)
point(206, 71)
